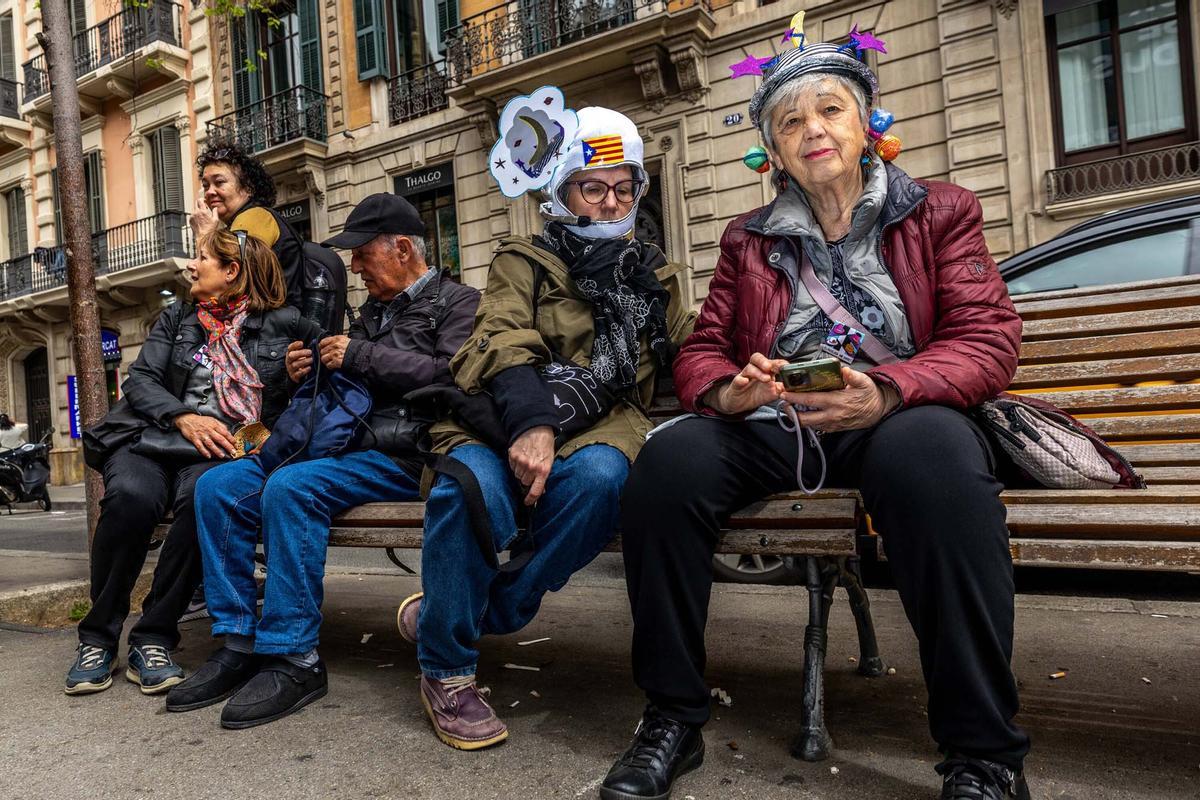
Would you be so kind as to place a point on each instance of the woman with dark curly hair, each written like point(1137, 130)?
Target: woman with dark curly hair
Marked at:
point(237, 190)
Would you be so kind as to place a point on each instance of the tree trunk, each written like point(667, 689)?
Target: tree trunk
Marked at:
point(90, 386)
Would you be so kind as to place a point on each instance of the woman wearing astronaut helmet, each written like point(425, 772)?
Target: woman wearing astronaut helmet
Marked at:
point(573, 327)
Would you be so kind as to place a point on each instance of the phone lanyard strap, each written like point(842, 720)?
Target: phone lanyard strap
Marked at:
point(786, 415)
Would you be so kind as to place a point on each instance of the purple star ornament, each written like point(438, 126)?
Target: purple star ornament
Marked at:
point(750, 65)
point(866, 41)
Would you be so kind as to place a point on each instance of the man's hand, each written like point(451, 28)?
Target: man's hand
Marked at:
point(208, 434)
point(754, 386)
point(333, 351)
point(860, 405)
point(205, 220)
point(299, 361)
point(530, 458)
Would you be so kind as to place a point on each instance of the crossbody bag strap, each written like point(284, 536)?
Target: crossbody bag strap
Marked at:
point(876, 350)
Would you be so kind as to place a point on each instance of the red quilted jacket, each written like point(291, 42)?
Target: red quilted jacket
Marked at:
point(964, 326)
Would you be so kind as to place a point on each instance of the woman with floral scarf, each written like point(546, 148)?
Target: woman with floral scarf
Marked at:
point(209, 376)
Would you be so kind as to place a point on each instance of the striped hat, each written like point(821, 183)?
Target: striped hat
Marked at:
point(813, 59)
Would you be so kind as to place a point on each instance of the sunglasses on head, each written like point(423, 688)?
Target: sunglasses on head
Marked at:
point(241, 237)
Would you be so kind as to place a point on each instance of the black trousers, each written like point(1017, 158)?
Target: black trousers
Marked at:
point(927, 477)
point(137, 490)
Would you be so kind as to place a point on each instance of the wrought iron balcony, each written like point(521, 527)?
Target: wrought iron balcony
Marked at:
point(139, 243)
point(420, 91)
point(10, 102)
point(521, 29)
point(296, 113)
point(1124, 173)
point(122, 34)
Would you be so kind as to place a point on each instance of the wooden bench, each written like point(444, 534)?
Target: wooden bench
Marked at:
point(1125, 358)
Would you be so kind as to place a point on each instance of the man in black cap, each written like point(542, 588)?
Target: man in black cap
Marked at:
point(414, 321)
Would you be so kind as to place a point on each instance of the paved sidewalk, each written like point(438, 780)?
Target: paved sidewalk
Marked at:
point(1102, 733)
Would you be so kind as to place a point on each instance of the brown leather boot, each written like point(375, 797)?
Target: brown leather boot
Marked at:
point(407, 616)
point(461, 717)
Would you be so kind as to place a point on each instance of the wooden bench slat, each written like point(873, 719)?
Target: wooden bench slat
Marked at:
point(1161, 521)
point(1161, 454)
point(1152, 494)
point(1186, 294)
point(1134, 398)
point(1154, 426)
point(1117, 554)
point(813, 541)
point(1117, 370)
point(1124, 345)
point(1157, 476)
point(1115, 289)
point(1167, 319)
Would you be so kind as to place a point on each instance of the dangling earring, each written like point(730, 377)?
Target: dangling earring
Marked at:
point(782, 180)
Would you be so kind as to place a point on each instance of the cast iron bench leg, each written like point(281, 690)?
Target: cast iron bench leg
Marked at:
point(869, 662)
point(814, 743)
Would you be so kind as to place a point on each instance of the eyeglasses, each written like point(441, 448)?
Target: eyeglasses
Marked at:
point(241, 237)
point(595, 192)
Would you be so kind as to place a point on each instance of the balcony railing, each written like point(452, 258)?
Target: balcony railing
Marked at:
point(10, 101)
point(420, 91)
point(296, 113)
point(525, 28)
point(121, 34)
point(1124, 173)
point(134, 244)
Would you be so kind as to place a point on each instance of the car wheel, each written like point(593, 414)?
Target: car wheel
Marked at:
point(756, 569)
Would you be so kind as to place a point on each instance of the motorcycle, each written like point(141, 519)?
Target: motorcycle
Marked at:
point(24, 473)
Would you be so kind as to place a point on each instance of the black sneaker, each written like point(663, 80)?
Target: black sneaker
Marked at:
point(223, 674)
point(662, 750)
point(966, 778)
point(197, 606)
point(280, 688)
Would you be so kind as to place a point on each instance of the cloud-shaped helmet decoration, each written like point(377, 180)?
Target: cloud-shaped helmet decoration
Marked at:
point(534, 132)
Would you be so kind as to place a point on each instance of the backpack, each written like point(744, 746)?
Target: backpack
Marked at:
point(323, 287)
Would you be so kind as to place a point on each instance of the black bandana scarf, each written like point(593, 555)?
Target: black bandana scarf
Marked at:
point(617, 277)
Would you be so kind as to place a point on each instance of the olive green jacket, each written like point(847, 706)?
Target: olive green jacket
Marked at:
point(507, 335)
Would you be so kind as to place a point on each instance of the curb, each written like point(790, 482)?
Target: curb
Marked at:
point(55, 505)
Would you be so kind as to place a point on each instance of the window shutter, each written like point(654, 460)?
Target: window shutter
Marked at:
point(245, 49)
point(95, 190)
point(78, 17)
point(447, 19)
point(310, 45)
point(18, 233)
point(8, 55)
point(369, 38)
point(168, 170)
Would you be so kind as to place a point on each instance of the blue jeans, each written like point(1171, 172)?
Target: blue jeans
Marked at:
point(294, 508)
point(464, 597)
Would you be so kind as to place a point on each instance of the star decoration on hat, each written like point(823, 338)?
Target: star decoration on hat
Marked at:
point(500, 162)
point(750, 65)
point(866, 41)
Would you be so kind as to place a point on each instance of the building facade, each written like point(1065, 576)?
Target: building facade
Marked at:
point(1052, 111)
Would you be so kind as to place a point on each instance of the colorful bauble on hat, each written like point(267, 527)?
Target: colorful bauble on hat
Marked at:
point(757, 160)
point(887, 146)
point(881, 120)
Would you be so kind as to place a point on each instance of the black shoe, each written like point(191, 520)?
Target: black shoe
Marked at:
point(966, 778)
point(280, 688)
point(662, 750)
point(223, 674)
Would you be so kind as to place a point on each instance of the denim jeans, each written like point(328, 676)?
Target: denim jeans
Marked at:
point(464, 597)
point(294, 508)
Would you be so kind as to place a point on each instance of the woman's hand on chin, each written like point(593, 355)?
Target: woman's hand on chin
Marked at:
point(754, 386)
point(862, 404)
point(209, 435)
point(205, 219)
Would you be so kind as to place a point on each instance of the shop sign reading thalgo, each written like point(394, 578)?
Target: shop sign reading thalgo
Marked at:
point(425, 180)
point(299, 211)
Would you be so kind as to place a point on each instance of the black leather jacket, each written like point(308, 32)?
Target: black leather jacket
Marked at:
point(157, 379)
point(411, 351)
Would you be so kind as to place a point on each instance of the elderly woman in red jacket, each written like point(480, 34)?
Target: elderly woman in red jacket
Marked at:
point(906, 260)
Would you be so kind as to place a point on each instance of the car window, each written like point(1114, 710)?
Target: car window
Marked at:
point(1161, 253)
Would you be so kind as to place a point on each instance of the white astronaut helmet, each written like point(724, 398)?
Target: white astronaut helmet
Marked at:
point(605, 138)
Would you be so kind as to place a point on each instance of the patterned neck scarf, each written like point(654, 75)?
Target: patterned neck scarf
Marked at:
point(239, 391)
point(617, 277)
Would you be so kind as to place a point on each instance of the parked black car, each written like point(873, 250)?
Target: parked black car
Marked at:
point(1158, 240)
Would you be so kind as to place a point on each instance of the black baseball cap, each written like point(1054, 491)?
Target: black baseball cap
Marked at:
point(377, 214)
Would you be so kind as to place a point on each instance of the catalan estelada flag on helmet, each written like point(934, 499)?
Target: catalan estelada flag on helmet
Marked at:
point(602, 150)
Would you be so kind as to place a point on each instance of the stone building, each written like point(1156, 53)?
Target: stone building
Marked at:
point(1052, 111)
